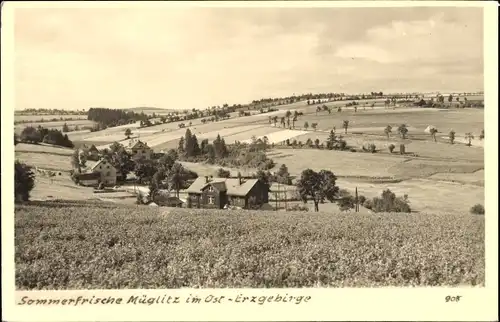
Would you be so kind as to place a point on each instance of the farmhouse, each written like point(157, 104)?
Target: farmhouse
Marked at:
point(139, 149)
point(216, 193)
point(106, 170)
point(102, 172)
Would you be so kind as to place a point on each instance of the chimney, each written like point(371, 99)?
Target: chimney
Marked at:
point(206, 179)
point(240, 179)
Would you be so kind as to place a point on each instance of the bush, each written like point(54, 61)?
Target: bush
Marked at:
point(298, 208)
point(388, 202)
point(24, 181)
point(391, 147)
point(361, 200)
point(477, 209)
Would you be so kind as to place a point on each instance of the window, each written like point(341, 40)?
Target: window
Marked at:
point(143, 151)
point(107, 167)
point(108, 173)
point(211, 200)
point(100, 167)
point(210, 188)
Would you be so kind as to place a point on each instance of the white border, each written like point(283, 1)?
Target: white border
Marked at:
point(400, 304)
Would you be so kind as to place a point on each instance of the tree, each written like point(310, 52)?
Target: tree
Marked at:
point(263, 176)
point(451, 136)
point(318, 186)
point(332, 139)
point(65, 128)
point(283, 176)
point(346, 203)
point(391, 147)
point(469, 137)
point(481, 136)
point(306, 125)
point(180, 147)
point(24, 181)
point(314, 126)
point(450, 98)
point(275, 120)
point(222, 173)
point(403, 130)
point(144, 170)
point(282, 121)
point(177, 177)
point(75, 160)
point(31, 134)
point(346, 125)
point(388, 131)
point(128, 133)
point(433, 132)
point(388, 202)
point(123, 163)
point(16, 139)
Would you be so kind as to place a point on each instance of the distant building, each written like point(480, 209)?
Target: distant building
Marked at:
point(93, 153)
point(218, 193)
point(139, 149)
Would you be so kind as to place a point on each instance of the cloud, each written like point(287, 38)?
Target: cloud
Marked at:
point(196, 57)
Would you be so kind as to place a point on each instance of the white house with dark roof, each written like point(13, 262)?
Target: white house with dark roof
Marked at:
point(206, 192)
point(139, 149)
point(107, 172)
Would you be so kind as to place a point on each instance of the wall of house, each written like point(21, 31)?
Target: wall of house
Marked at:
point(237, 201)
point(260, 193)
point(89, 182)
point(139, 153)
point(108, 173)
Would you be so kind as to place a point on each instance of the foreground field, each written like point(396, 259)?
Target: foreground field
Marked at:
point(79, 246)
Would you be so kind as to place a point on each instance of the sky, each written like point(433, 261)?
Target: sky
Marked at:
point(178, 58)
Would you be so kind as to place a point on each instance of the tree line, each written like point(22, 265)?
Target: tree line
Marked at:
point(35, 135)
point(218, 152)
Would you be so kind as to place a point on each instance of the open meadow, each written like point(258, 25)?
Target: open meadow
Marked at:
point(104, 246)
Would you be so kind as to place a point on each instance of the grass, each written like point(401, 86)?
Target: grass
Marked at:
point(46, 117)
point(462, 121)
point(18, 128)
point(110, 247)
point(55, 162)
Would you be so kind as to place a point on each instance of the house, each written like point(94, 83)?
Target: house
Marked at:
point(106, 171)
point(93, 153)
point(216, 193)
point(139, 149)
point(89, 179)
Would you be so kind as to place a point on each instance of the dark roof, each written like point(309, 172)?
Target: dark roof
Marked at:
point(93, 148)
point(88, 176)
point(230, 185)
point(138, 145)
point(221, 186)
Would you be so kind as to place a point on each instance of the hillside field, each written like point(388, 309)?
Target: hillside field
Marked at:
point(83, 245)
point(435, 175)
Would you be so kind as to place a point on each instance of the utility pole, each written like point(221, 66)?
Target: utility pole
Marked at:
point(357, 200)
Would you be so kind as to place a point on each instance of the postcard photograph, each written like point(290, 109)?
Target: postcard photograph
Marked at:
point(262, 147)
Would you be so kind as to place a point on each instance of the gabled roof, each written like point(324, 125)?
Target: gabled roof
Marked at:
point(230, 185)
point(93, 148)
point(138, 145)
point(100, 162)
